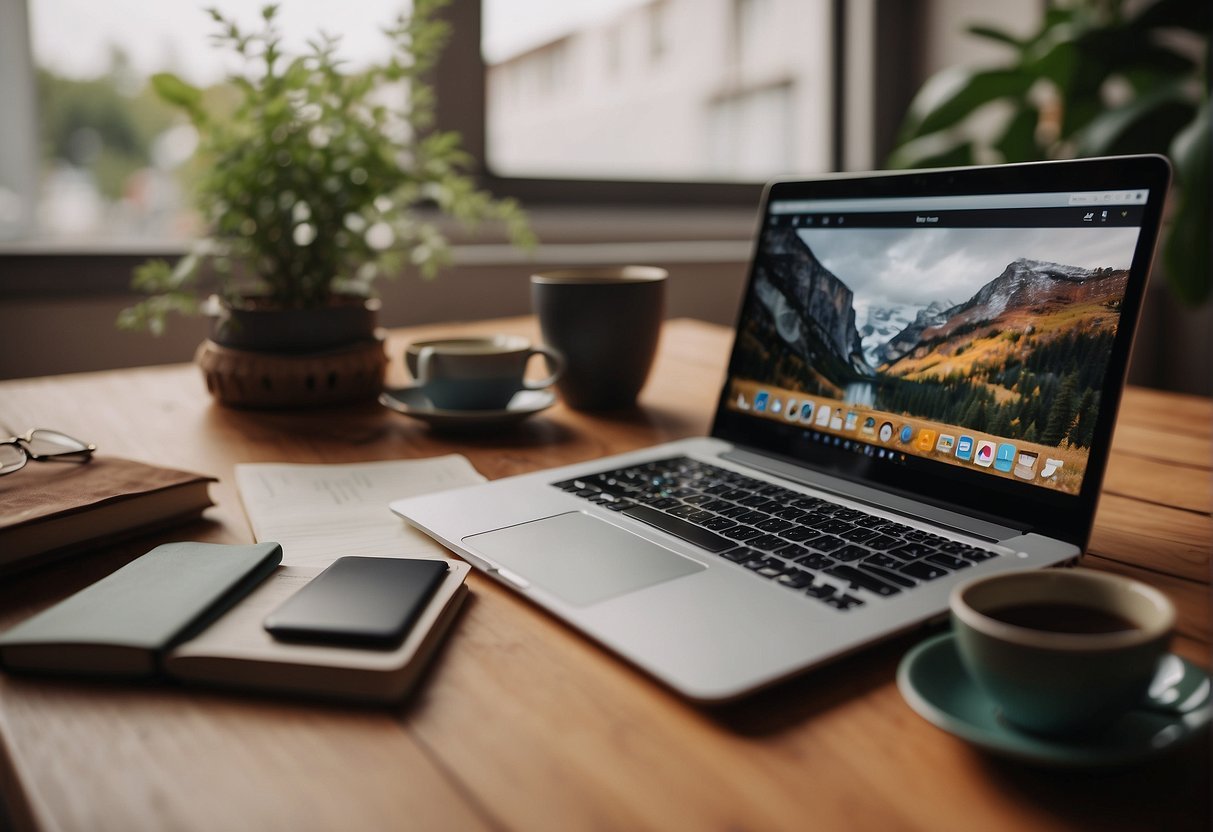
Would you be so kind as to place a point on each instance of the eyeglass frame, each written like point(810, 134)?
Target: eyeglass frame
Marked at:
point(23, 442)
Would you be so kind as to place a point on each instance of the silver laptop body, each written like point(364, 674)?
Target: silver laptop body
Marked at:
point(1043, 301)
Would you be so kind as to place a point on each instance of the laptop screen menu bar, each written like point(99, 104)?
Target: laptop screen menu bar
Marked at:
point(961, 202)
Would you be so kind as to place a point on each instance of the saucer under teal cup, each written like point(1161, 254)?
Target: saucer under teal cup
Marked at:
point(936, 685)
point(413, 402)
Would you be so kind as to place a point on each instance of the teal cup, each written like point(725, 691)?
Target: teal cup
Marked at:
point(477, 373)
point(1061, 651)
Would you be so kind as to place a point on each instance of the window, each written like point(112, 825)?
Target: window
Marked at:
point(734, 90)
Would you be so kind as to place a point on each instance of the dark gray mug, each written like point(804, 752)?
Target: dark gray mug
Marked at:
point(606, 323)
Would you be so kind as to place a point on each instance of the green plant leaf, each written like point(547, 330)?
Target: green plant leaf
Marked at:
point(1018, 140)
point(1145, 124)
point(1054, 59)
point(177, 92)
point(1056, 15)
point(955, 94)
point(1186, 252)
point(997, 35)
point(152, 276)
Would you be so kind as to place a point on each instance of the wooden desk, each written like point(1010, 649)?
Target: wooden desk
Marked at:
point(522, 723)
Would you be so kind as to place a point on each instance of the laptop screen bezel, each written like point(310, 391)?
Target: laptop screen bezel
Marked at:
point(1023, 506)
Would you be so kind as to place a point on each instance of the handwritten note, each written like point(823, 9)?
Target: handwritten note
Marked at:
point(322, 512)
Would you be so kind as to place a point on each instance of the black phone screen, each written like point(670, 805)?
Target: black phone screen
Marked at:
point(359, 601)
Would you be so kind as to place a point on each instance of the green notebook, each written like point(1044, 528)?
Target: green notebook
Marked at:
point(124, 623)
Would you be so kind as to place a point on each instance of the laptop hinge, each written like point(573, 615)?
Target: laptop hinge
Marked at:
point(905, 506)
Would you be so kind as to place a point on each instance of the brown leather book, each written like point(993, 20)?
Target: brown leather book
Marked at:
point(56, 508)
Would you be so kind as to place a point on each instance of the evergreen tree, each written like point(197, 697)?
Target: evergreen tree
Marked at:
point(1000, 421)
point(1083, 431)
point(1027, 410)
point(1061, 414)
point(975, 417)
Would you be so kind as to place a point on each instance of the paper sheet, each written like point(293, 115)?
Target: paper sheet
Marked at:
point(322, 512)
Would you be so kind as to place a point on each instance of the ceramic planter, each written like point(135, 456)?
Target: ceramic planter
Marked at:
point(261, 327)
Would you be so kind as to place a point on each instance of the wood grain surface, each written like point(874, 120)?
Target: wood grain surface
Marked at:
point(521, 723)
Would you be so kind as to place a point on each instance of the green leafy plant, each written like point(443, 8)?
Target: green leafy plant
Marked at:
point(1100, 77)
point(315, 184)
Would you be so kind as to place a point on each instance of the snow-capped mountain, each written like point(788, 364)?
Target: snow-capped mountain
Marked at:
point(1027, 282)
point(1025, 288)
point(882, 324)
point(933, 315)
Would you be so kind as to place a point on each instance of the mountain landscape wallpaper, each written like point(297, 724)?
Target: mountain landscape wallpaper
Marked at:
point(1003, 331)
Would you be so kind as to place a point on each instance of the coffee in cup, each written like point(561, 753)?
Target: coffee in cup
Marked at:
point(1061, 651)
point(477, 373)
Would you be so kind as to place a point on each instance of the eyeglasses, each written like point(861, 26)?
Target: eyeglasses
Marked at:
point(42, 446)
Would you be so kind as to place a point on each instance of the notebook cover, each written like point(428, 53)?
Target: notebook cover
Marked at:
point(120, 625)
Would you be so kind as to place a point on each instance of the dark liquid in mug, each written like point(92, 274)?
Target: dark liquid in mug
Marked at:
point(1062, 618)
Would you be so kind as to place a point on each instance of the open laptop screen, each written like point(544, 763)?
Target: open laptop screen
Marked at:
point(966, 337)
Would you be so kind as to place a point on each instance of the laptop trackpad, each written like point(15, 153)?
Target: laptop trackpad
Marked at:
point(580, 559)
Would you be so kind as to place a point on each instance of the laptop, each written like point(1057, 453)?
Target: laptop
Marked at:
point(921, 391)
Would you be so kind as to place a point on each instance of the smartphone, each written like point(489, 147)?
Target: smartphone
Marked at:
point(359, 602)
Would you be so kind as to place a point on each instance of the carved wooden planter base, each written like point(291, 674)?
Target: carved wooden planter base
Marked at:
point(240, 378)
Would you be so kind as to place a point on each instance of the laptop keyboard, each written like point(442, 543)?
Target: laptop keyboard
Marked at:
point(816, 547)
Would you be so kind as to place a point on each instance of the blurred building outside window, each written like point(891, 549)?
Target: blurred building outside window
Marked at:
point(669, 90)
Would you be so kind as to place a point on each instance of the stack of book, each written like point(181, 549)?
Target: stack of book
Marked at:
point(53, 509)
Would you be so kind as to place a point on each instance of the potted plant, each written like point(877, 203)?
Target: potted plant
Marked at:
point(319, 181)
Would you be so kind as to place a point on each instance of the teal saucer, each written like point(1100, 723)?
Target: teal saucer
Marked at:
point(412, 401)
point(936, 685)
